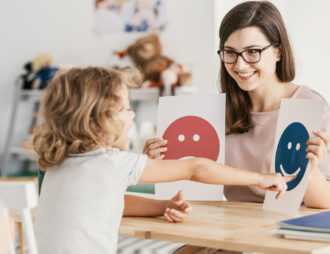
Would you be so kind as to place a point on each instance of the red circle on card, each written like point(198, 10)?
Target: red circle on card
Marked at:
point(191, 136)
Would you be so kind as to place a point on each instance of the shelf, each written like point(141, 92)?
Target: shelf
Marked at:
point(23, 153)
point(144, 94)
point(136, 94)
point(152, 93)
point(32, 95)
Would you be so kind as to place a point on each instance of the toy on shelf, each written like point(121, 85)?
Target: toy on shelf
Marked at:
point(28, 77)
point(159, 70)
point(42, 65)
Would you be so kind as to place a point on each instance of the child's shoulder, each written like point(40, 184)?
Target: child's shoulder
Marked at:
point(108, 156)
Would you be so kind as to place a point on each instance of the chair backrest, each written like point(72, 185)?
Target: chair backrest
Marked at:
point(6, 236)
point(21, 196)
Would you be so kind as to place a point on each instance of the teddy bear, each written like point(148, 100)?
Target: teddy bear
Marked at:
point(159, 71)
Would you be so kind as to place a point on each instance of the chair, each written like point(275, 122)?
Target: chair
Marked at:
point(6, 241)
point(21, 196)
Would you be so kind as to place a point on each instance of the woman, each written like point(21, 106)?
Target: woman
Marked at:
point(257, 67)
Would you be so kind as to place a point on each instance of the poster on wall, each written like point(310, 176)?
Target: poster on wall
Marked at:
point(194, 126)
point(297, 119)
point(126, 16)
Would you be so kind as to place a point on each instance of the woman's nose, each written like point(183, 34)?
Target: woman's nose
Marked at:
point(240, 63)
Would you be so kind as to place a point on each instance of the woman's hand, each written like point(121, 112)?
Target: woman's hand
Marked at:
point(154, 148)
point(177, 209)
point(275, 182)
point(317, 148)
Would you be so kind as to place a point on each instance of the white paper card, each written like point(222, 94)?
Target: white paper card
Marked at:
point(297, 119)
point(194, 126)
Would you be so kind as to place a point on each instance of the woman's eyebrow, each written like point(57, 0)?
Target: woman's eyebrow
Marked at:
point(248, 47)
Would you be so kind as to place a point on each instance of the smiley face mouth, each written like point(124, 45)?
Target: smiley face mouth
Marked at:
point(187, 157)
point(285, 174)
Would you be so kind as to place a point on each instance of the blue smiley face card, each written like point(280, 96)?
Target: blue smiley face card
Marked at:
point(296, 121)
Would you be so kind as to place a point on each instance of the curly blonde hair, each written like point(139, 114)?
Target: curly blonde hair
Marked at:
point(80, 107)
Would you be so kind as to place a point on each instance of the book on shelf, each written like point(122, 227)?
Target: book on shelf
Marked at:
point(310, 227)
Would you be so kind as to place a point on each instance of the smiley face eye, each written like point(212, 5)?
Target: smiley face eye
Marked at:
point(297, 146)
point(196, 137)
point(289, 145)
point(181, 137)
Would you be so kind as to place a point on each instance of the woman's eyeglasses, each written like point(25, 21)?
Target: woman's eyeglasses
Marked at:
point(229, 56)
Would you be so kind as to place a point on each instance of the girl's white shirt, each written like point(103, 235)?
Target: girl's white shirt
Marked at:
point(82, 201)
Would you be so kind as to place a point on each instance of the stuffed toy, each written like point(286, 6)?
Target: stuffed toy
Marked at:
point(28, 77)
point(159, 71)
point(42, 65)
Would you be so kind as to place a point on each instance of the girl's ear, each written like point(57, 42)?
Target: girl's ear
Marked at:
point(278, 53)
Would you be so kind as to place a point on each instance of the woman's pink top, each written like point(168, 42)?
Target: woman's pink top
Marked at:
point(252, 150)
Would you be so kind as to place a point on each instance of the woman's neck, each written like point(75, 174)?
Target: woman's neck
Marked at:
point(268, 97)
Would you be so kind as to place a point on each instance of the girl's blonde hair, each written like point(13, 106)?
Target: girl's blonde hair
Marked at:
point(80, 107)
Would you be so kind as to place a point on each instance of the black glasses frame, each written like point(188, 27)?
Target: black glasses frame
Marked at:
point(241, 53)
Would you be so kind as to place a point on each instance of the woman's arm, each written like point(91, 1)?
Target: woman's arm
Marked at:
point(317, 194)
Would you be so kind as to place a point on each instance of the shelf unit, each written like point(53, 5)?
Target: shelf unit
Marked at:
point(33, 96)
point(137, 95)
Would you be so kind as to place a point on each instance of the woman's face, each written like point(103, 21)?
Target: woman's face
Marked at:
point(126, 115)
point(251, 76)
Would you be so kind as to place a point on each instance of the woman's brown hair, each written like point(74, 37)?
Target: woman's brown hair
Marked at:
point(267, 18)
point(80, 107)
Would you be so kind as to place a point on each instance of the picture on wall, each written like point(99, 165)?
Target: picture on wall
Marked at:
point(126, 16)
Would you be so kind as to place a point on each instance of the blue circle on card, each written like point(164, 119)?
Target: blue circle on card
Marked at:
point(290, 158)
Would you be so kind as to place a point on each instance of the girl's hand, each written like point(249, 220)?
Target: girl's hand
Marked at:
point(154, 148)
point(177, 209)
point(317, 147)
point(275, 182)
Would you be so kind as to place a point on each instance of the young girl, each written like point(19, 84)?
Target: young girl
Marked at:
point(82, 143)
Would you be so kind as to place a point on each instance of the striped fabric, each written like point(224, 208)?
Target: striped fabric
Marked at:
point(131, 245)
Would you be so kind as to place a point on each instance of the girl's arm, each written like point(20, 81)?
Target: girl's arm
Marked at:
point(173, 210)
point(318, 189)
point(208, 171)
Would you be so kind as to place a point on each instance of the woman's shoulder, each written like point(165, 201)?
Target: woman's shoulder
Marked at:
point(304, 92)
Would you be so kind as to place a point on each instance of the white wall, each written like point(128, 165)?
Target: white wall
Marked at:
point(64, 28)
point(307, 23)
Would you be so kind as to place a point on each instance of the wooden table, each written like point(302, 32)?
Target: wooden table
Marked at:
point(225, 225)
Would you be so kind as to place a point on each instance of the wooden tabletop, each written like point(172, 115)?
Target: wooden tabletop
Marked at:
point(225, 225)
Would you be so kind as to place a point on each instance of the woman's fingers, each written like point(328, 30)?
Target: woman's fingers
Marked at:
point(325, 138)
point(157, 151)
point(157, 144)
point(154, 147)
point(318, 150)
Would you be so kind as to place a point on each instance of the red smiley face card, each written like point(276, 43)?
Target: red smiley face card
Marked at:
point(194, 126)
